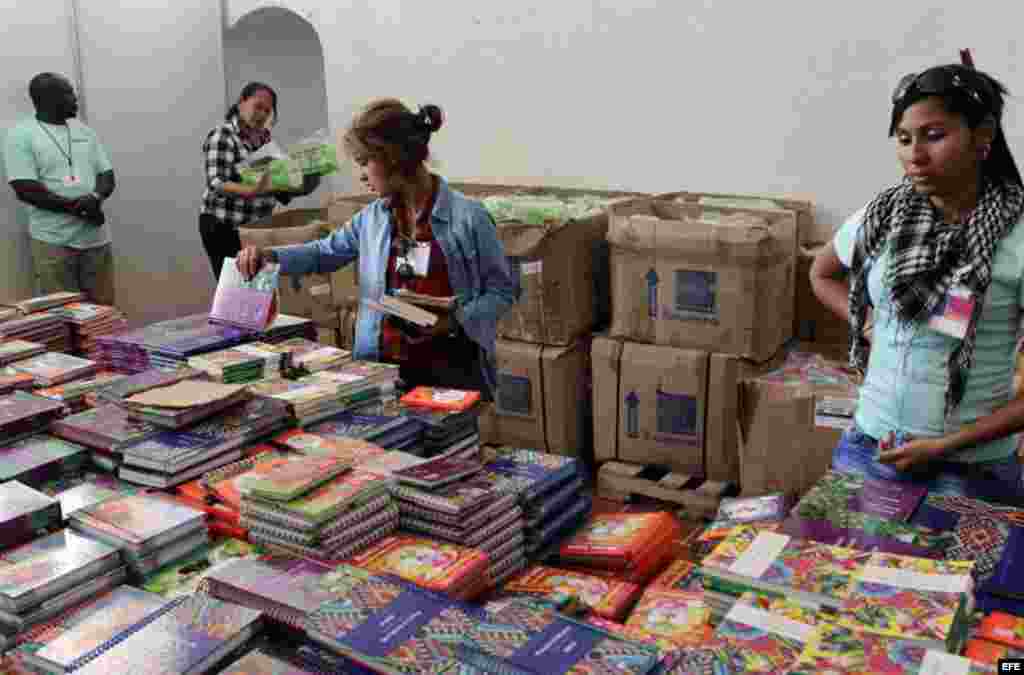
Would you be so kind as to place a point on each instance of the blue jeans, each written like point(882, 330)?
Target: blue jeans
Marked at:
point(996, 481)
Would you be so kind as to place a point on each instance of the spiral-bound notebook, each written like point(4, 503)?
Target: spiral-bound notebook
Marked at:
point(188, 635)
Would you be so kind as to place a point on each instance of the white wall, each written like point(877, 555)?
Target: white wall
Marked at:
point(278, 47)
point(154, 82)
point(42, 42)
point(726, 95)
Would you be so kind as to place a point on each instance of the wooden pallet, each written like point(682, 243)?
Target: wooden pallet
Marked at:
point(698, 498)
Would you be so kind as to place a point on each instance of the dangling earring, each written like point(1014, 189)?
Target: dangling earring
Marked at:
point(985, 150)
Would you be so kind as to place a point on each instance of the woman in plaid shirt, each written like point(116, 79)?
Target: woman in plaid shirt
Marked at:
point(227, 202)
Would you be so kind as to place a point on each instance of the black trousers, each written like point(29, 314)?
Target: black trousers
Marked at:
point(220, 240)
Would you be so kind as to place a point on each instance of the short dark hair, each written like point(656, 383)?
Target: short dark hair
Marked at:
point(40, 85)
point(250, 90)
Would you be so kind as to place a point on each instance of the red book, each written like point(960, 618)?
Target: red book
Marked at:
point(435, 398)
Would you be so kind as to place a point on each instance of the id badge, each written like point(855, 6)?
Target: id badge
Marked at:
point(418, 258)
point(954, 314)
point(71, 180)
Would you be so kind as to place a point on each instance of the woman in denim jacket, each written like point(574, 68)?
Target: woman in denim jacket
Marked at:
point(937, 261)
point(420, 236)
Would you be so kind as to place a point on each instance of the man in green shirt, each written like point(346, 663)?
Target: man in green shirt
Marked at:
point(60, 171)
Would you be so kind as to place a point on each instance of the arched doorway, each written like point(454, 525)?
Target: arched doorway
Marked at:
point(279, 47)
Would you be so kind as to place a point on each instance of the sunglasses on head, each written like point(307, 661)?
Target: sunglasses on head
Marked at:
point(942, 80)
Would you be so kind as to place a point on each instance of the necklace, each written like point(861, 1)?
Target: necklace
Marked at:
point(67, 154)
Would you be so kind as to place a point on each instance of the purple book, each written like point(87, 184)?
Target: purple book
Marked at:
point(24, 512)
point(438, 472)
point(245, 303)
point(106, 427)
point(825, 532)
point(888, 499)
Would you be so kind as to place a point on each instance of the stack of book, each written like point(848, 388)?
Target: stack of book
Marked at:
point(360, 382)
point(682, 575)
point(53, 368)
point(19, 350)
point(42, 578)
point(22, 414)
point(311, 356)
point(44, 302)
point(629, 546)
point(45, 328)
point(389, 431)
point(121, 352)
point(88, 322)
point(24, 513)
point(12, 380)
point(513, 636)
point(451, 500)
point(549, 489)
point(606, 598)
point(38, 459)
point(85, 488)
point(183, 403)
point(136, 383)
point(245, 363)
point(764, 635)
point(192, 634)
point(107, 429)
point(315, 507)
point(455, 570)
point(75, 395)
point(287, 590)
point(167, 344)
point(452, 417)
point(150, 530)
point(286, 327)
point(307, 402)
point(170, 458)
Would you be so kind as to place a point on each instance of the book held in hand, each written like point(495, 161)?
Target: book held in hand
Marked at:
point(250, 304)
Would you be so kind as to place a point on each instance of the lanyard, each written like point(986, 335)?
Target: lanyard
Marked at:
point(67, 155)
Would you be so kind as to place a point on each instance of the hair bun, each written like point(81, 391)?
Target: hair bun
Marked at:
point(431, 117)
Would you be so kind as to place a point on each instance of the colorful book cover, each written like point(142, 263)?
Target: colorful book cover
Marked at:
point(847, 492)
point(79, 388)
point(1003, 628)
point(455, 499)
point(351, 450)
point(290, 583)
point(766, 635)
point(425, 562)
point(227, 483)
point(242, 421)
point(36, 459)
point(833, 648)
point(678, 616)
point(295, 478)
point(908, 598)
point(186, 576)
point(53, 366)
point(680, 575)
point(752, 509)
point(823, 531)
point(177, 640)
point(617, 538)
point(348, 489)
point(984, 651)
point(96, 624)
point(107, 422)
point(30, 568)
point(783, 562)
point(137, 519)
point(440, 399)
point(248, 303)
point(533, 473)
point(437, 472)
point(607, 598)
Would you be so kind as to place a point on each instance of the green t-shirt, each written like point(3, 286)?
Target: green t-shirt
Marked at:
point(38, 151)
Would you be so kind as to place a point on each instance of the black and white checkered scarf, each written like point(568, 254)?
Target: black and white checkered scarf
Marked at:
point(926, 259)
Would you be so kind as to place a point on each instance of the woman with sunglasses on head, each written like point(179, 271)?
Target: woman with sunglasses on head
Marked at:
point(419, 236)
point(929, 275)
point(228, 203)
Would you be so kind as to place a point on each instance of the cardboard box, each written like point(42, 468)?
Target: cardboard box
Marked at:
point(563, 267)
point(319, 295)
point(543, 398)
point(685, 276)
point(803, 207)
point(788, 430)
point(650, 403)
point(813, 321)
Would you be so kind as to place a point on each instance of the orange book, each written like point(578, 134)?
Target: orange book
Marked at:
point(1003, 628)
point(608, 598)
point(351, 450)
point(195, 495)
point(681, 617)
point(984, 651)
point(680, 575)
point(431, 564)
point(435, 398)
point(620, 541)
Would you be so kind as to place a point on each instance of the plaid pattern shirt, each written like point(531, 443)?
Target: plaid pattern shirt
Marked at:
point(223, 149)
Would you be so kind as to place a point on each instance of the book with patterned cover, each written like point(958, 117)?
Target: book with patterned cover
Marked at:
point(509, 522)
point(352, 450)
point(460, 527)
point(179, 639)
point(106, 426)
point(37, 459)
point(682, 617)
point(825, 532)
point(138, 519)
point(30, 573)
point(332, 554)
point(766, 635)
point(911, 599)
point(1004, 628)
point(345, 491)
point(286, 589)
point(437, 472)
point(247, 303)
point(455, 499)
point(225, 482)
point(295, 478)
point(669, 653)
point(343, 527)
point(94, 625)
point(425, 562)
point(23, 512)
point(776, 562)
point(835, 648)
point(680, 575)
point(752, 509)
point(984, 651)
point(608, 598)
point(187, 575)
point(616, 540)
point(846, 492)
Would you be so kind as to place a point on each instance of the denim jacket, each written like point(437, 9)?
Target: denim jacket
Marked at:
point(478, 269)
